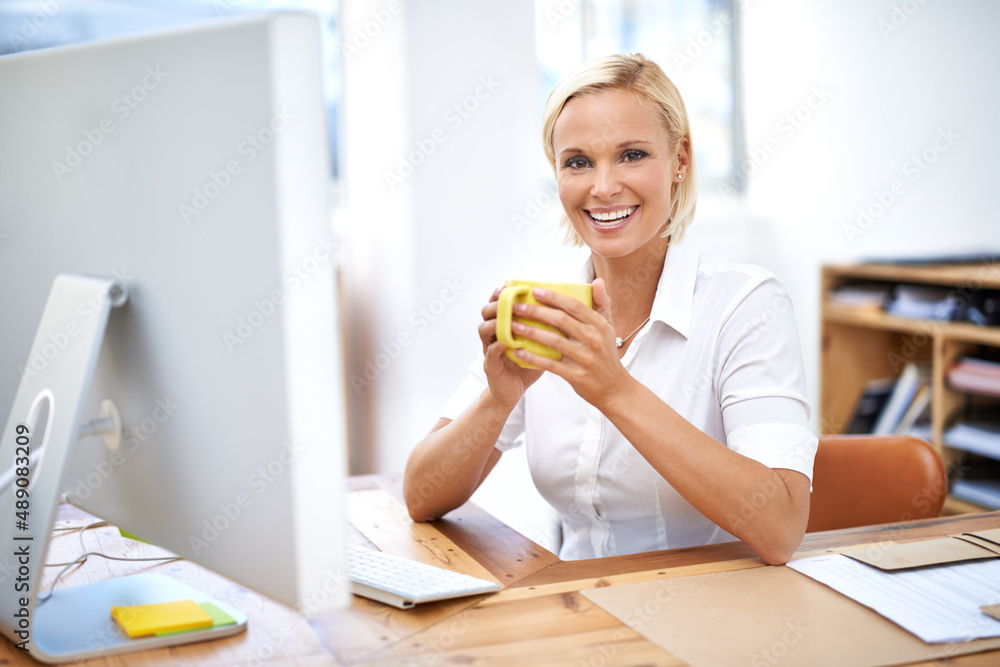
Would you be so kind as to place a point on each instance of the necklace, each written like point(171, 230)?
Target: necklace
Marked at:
point(621, 341)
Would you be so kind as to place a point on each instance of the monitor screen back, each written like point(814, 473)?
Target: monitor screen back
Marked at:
point(191, 165)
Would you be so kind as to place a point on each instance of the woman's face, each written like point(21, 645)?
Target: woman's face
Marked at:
point(614, 171)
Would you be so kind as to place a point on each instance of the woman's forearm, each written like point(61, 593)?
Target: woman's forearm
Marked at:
point(766, 508)
point(447, 466)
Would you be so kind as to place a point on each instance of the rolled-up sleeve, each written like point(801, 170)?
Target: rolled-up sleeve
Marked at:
point(761, 382)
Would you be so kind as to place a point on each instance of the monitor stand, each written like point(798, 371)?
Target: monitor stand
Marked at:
point(73, 623)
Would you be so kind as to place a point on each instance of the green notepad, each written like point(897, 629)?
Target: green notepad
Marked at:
point(219, 618)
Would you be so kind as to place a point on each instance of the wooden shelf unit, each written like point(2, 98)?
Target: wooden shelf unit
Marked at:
point(859, 345)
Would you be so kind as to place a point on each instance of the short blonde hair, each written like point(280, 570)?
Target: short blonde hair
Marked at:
point(644, 79)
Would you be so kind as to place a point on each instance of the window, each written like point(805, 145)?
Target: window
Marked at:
point(695, 42)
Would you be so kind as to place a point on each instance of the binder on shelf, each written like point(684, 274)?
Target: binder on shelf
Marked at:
point(873, 400)
point(865, 296)
point(923, 302)
point(918, 408)
point(903, 393)
point(985, 492)
point(976, 376)
point(977, 437)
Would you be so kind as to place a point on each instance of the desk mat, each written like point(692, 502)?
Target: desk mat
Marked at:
point(766, 616)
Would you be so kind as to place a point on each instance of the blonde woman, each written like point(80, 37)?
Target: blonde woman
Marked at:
point(676, 416)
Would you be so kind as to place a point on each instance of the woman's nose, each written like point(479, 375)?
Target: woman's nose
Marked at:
point(606, 182)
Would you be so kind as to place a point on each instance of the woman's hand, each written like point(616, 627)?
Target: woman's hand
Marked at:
point(507, 380)
point(590, 361)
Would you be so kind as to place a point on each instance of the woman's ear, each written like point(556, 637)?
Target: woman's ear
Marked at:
point(683, 158)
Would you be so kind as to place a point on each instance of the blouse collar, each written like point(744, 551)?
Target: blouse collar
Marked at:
point(674, 298)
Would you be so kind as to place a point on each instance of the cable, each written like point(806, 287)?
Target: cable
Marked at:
point(79, 560)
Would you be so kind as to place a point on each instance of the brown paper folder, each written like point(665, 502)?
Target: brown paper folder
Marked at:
point(991, 610)
point(767, 616)
point(951, 549)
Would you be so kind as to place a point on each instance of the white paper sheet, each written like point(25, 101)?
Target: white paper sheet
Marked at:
point(937, 603)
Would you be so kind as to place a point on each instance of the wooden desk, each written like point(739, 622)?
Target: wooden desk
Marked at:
point(539, 618)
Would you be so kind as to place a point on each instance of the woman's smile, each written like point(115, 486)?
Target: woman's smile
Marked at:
point(611, 219)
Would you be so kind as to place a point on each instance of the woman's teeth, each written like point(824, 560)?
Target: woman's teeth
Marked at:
point(612, 217)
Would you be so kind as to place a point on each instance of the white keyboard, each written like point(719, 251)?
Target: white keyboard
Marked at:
point(404, 583)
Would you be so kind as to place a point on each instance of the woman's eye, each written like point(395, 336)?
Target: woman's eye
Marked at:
point(576, 163)
point(633, 155)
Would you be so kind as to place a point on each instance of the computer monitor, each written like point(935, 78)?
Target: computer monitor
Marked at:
point(184, 173)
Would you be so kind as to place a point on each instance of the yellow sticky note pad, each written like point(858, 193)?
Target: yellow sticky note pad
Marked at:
point(151, 619)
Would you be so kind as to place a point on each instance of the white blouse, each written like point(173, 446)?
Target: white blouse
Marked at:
point(721, 349)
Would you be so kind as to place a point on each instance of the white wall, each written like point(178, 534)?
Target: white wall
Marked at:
point(891, 94)
point(450, 89)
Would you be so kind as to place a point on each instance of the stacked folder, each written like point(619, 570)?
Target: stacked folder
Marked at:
point(979, 432)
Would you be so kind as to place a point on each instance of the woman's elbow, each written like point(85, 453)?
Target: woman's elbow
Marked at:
point(419, 511)
point(422, 507)
point(775, 556)
point(420, 517)
point(779, 551)
point(416, 506)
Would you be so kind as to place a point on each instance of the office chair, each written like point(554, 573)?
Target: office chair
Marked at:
point(861, 480)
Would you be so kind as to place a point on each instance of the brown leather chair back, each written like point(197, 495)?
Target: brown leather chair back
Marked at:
point(862, 480)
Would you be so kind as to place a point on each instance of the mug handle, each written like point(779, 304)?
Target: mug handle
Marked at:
point(505, 314)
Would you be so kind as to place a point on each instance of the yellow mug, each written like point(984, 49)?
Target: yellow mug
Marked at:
point(519, 291)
